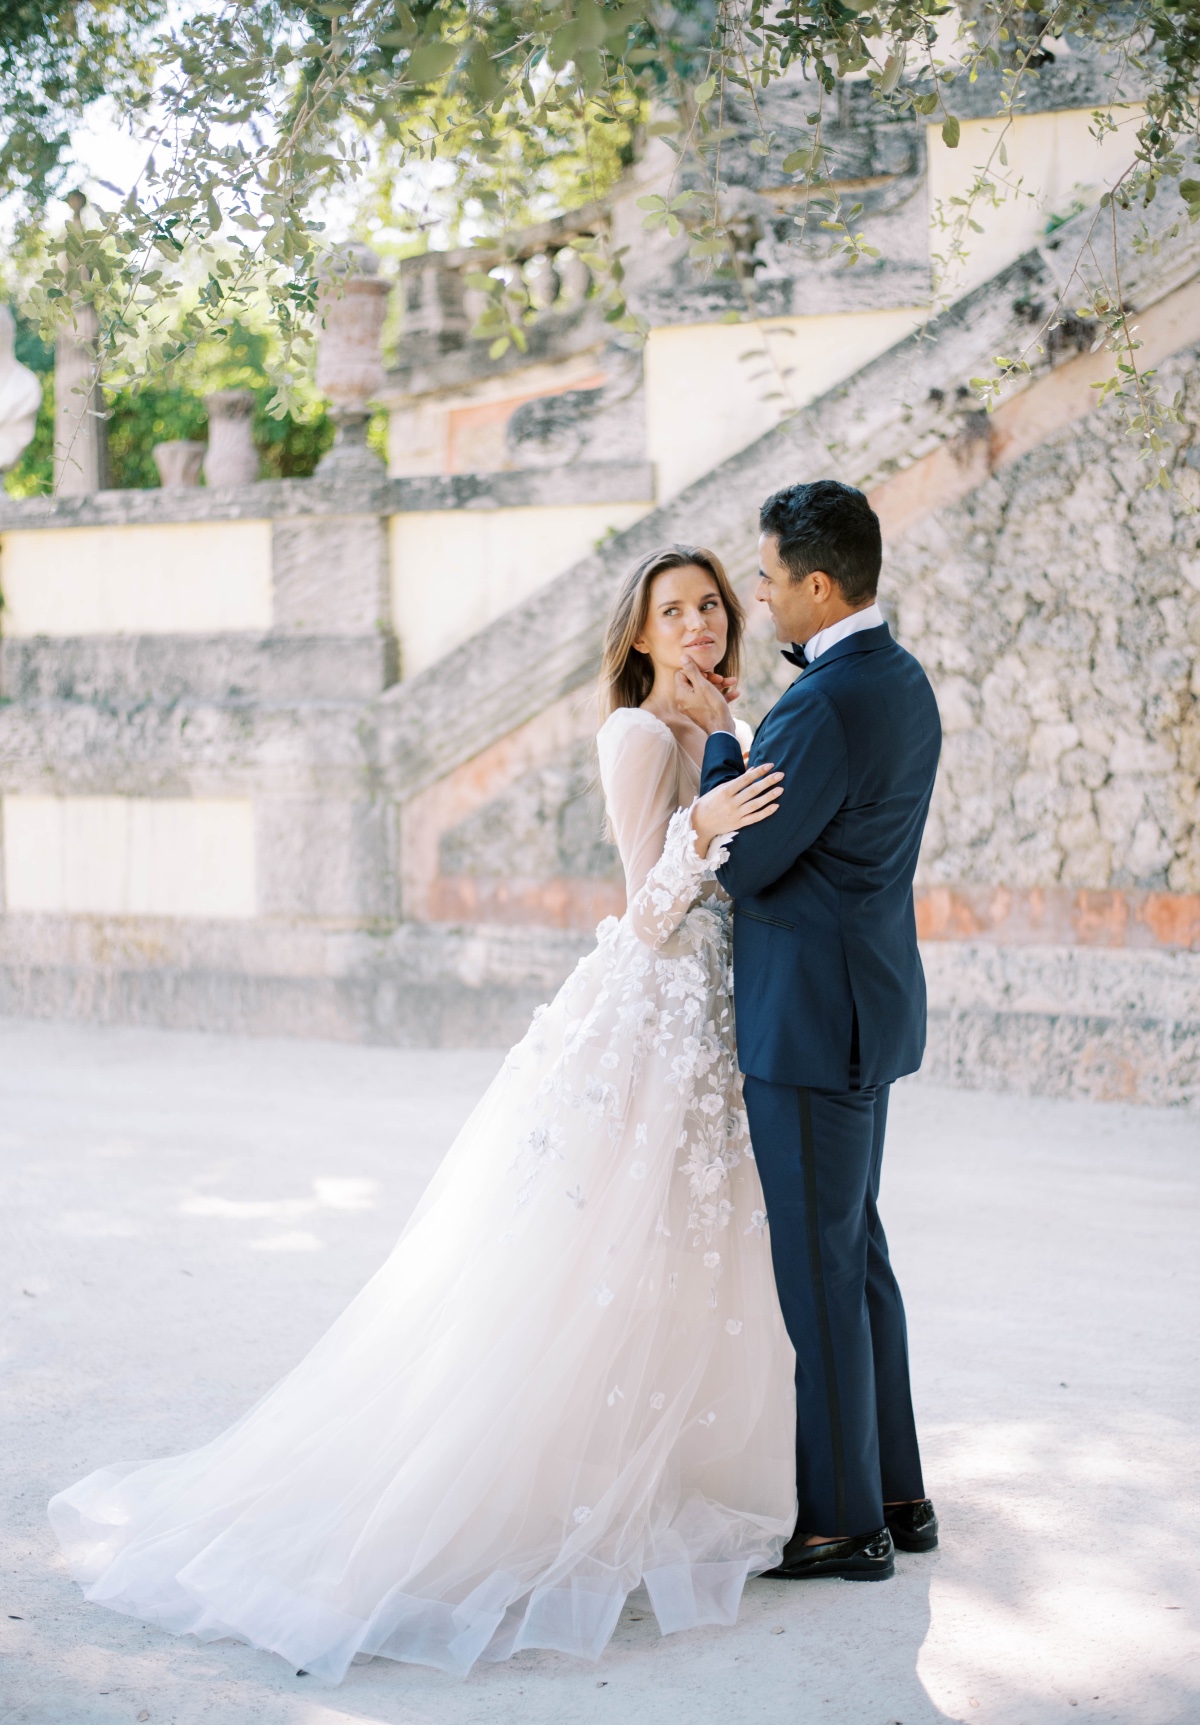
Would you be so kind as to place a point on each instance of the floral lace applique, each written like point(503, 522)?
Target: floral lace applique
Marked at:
point(665, 913)
point(661, 999)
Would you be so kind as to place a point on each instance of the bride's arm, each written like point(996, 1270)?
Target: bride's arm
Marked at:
point(674, 883)
point(663, 871)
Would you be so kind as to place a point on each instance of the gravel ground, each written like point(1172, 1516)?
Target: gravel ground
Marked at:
point(183, 1215)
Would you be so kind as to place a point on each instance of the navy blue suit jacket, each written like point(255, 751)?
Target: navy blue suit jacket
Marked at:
point(824, 929)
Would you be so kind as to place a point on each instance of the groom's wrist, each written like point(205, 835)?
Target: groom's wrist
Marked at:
point(722, 728)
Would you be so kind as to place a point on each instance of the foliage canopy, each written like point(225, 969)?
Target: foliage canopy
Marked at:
point(260, 114)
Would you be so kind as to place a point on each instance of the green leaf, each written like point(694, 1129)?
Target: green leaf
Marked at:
point(892, 68)
point(430, 60)
point(485, 80)
point(1189, 191)
point(703, 92)
point(499, 346)
point(951, 132)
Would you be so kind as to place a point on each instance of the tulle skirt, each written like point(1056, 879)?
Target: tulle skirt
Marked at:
point(569, 1379)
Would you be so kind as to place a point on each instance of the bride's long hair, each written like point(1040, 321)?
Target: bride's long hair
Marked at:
point(627, 676)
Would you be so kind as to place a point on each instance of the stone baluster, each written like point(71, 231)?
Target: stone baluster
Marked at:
point(434, 310)
point(349, 365)
point(232, 457)
point(541, 279)
point(574, 275)
point(475, 303)
point(80, 425)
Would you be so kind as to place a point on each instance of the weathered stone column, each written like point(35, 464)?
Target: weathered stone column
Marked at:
point(331, 571)
point(321, 855)
point(349, 367)
point(80, 426)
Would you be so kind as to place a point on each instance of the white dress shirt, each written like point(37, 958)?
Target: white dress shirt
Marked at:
point(870, 618)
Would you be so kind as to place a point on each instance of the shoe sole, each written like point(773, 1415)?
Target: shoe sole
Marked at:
point(831, 1574)
point(910, 1544)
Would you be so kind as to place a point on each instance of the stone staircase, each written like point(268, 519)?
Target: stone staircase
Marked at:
point(363, 785)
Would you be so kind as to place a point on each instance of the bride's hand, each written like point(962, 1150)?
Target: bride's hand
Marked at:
point(740, 802)
point(727, 686)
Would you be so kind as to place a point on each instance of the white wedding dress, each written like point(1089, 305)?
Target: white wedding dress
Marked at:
point(571, 1376)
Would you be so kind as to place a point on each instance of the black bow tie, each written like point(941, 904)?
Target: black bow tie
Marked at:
point(796, 654)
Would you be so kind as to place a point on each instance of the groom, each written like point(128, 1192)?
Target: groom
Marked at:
point(831, 1008)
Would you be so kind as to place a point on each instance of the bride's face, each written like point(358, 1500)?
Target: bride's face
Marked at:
point(686, 618)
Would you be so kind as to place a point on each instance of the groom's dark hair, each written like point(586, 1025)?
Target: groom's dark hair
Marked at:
point(829, 526)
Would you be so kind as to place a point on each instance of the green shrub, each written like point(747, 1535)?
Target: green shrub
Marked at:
point(159, 413)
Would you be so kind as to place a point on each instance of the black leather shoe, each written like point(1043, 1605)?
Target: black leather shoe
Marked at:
point(862, 1557)
point(914, 1525)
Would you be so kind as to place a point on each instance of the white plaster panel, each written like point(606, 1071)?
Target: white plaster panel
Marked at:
point(177, 578)
point(455, 571)
point(130, 856)
point(1055, 167)
point(712, 389)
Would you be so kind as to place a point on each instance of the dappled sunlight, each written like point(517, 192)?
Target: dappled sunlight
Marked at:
point(97, 1225)
point(344, 1192)
point(336, 1192)
point(114, 1149)
point(297, 1241)
point(1027, 1604)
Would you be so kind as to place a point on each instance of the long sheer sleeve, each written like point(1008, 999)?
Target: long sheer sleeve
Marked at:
point(664, 874)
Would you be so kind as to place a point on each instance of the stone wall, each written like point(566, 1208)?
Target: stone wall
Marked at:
point(428, 849)
point(1057, 608)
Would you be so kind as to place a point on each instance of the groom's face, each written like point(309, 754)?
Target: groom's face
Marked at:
point(797, 607)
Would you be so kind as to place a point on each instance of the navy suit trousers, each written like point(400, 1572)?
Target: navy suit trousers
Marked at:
point(819, 1154)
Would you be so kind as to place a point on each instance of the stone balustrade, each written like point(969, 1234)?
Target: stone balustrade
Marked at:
point(441, 309)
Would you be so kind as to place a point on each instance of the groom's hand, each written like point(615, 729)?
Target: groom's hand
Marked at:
point(703, 703)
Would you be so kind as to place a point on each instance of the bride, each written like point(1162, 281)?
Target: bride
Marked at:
point(571, 1377)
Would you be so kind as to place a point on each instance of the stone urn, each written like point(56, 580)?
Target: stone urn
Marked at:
point(232, 458)
point(349, 366)
point(179, 463)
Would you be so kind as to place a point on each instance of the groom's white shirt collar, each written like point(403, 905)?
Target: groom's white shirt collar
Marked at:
point(817, 644)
